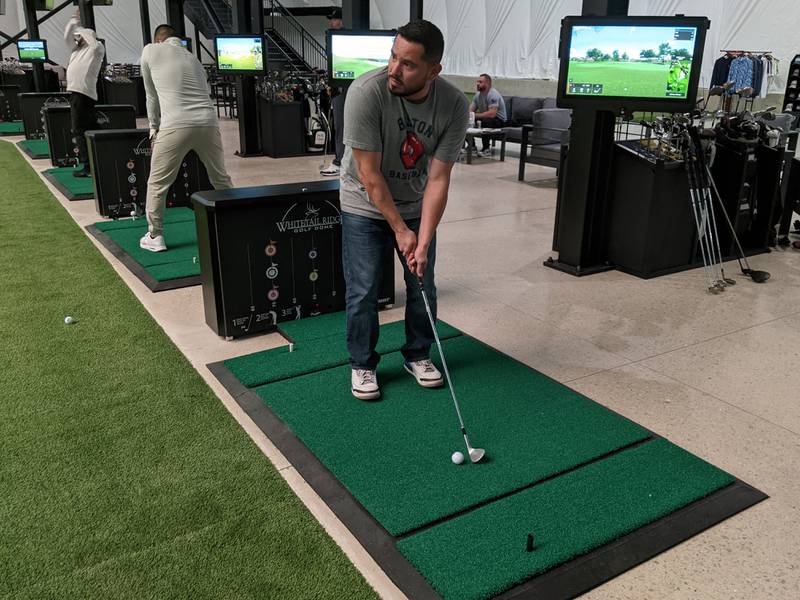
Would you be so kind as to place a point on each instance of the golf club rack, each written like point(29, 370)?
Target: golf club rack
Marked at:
point(733, 169)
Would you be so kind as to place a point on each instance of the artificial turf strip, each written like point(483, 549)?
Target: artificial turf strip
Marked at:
point(314, 354)
point(11, 128)
point(394, 455)
point(75, 188)
point(35, 148)
point(483, 553)
point(180, 233)
point(122, 475)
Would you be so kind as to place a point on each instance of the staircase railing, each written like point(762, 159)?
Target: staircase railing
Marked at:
point(293, 33)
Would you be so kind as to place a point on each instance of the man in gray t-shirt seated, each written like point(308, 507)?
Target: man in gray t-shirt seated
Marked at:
point(403, 130)
point(488, 106)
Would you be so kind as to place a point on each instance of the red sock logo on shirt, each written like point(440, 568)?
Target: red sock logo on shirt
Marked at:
point(411, 150)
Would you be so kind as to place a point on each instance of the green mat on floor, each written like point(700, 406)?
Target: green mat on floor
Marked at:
point(325, 352)
point(35, 148)
point(74, 188)
point(483, 553)
point(11, 128)
point(394, 455)
point(559, 466)
point(181, 257)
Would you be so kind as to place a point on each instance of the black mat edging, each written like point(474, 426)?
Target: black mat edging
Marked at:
point(568, 580)
point(64, 189)
point(586, 572)
point(153, 284)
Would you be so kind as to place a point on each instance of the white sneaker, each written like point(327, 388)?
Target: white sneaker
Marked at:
point(154, 244)
point(331, 170)
point(424, 372)
point(364, 384)
point(484, 153)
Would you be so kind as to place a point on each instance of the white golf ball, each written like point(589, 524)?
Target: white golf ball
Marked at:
point(69, 320)
point(457, 458)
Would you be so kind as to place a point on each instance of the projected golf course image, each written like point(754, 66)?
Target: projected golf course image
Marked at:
point(644, 62)
point(240, 54)
point(29, 51)
point(354, 55)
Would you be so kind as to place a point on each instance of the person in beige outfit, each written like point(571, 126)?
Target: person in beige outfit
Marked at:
point(182, 118)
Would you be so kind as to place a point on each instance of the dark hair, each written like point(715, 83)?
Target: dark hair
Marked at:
point(425, 33)
point(164, 31)
point(488, 77)
point(336, 13)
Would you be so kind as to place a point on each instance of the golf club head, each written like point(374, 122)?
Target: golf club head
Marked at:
point(476, 454)
point(746, 92)
point(758, 276)
point(716, 90)
point(727, 85)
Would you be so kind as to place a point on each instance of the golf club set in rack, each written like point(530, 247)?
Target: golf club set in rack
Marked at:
point(683, 137)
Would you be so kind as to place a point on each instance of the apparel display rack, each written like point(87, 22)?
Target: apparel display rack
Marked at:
point(791, 97)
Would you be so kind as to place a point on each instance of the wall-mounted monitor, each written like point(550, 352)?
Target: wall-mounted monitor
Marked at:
point(2, 7)
point(353, 53)
point(32, 50)
point(630, 63)
point(240, 54)
point(186, 43)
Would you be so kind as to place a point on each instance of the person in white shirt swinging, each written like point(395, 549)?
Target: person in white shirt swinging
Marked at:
point(182, 118)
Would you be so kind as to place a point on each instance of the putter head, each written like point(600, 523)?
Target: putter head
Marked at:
point(476, 454)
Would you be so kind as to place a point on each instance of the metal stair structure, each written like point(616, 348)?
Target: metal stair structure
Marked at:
point(290, 47)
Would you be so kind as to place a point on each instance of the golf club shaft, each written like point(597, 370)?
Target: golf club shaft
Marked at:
point(727, 218)
point(444, 362)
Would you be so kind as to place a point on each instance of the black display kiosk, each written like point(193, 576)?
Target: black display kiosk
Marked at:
point(272, 254)
point(282, 129)
point(58, 125)
point(9, 103)
point(583, 218)
point(32, 107)
point(120, 163)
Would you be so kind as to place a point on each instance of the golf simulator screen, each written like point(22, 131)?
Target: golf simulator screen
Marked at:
point(630, 62)
point(240, 54)
point(32, 50)
point(353, 53)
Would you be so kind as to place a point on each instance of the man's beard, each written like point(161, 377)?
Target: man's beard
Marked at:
point(406, 93)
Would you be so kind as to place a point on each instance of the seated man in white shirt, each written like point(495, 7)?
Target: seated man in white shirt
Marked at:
point(182, 118)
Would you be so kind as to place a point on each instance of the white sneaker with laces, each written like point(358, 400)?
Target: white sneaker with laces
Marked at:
point(364, 384)
point(331, 170)
point(424, 372)
point(154, 244)
point(485, 153)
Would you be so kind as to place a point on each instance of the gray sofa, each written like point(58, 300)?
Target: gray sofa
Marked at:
point(539, 127)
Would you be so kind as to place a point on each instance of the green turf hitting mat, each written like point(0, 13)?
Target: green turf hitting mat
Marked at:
point(11, 128)
point(178, 266)
point(589, 487)
point(74, 188)
point(35, 148)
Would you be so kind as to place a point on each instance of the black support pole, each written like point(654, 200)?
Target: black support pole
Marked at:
point(144, 13)
point(415, 7)
point(248, 17)
point(355, 14)
point(580, 231)
point(86, 9)
point(32, 25)
point(175, 17)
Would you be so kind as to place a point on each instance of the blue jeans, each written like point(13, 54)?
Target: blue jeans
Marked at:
point(366, 244)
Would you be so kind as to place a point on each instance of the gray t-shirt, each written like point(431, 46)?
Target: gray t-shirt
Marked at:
point(483, 102)
point(407, 135)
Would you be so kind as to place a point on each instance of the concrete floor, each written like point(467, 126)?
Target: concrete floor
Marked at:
point(716, 375)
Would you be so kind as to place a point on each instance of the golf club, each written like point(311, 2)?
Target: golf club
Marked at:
point(755, 275)
point(475, 454)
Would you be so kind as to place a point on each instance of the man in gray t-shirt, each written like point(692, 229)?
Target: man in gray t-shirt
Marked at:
point(488, 106)
point(403, 130)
